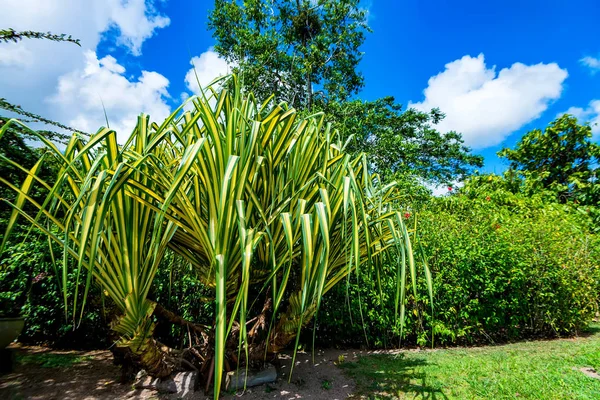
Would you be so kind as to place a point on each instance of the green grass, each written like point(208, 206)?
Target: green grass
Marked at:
point(529, 370)
point(49, 360)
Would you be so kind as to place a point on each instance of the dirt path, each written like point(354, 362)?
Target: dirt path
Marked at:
point(323, 380)
point(41, 373)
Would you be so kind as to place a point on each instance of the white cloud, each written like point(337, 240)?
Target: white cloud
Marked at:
point(14, 55)
point(83, 95)
point(30, 70)
point(592, 63)
point(134, 20)
point(590, 114)
point(205, 68)
point(486, 106)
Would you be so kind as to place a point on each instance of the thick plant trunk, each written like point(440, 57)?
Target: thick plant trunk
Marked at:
point(154, 359)
point(286, 329)
point(149, 355)
point(136, 328)
point(159, 361)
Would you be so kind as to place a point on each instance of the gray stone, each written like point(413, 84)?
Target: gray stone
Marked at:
point(591, 372)
point(235, 379)
point(182, 383)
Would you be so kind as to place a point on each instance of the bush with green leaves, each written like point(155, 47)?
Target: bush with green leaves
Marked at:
point(502, 270)
point(29, 288)
point(263, 204)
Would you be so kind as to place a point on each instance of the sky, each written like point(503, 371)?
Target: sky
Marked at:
point(497, 69)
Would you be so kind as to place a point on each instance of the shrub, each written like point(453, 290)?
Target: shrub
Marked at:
point(29, 288)
point(500, 273)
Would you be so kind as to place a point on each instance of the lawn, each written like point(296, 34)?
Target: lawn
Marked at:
point(527, 370)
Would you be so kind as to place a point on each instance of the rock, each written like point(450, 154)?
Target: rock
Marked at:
point(591, 372)
point(235, 379)
point(182, 383)
point(186, 383)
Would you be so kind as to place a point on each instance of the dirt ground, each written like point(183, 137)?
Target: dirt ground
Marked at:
point(92, 375)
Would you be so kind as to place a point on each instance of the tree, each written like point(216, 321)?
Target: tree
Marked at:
point(562, 157)
point(289, 48)
point(265, 205)
point(401, 143)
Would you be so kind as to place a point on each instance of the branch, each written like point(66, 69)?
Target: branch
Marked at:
point(177, 320)
point(10, 35)
point(37, 118)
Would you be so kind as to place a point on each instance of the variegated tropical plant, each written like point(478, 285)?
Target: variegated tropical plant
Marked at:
point(263, 203)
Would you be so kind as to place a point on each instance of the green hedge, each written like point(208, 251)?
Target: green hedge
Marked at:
point(29, 288)
point(500, 273)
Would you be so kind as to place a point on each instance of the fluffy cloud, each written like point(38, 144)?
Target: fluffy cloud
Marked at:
point(590, 114)
point(14, 55)
point(486, 106)
point(134, 20)
point(205, 68)
point(30, 70)
point(83, 96)
point(592, 63)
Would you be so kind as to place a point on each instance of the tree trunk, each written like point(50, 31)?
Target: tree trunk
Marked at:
point(148, 355)
point(154, 359)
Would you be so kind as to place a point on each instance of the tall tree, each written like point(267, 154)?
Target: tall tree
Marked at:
point(291, 48)
point(403, 143)
point(563, 157)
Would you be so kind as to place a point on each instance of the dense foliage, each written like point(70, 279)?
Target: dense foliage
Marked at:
point(403, 144)
point(501, 272)
point(289, 48)
point(29, 287)
point(264, 205)
point(562, 158)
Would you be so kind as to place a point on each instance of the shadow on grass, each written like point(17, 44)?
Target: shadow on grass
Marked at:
point(50, 360)
point(591, 330)
point(391, 377)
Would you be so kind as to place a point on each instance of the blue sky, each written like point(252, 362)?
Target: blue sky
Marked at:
point(413, 40)
point(497, 69)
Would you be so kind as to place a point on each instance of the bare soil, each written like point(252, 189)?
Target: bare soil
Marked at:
point(92, 375)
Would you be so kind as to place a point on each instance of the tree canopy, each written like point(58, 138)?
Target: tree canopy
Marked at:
point(562, 157)
point(307, 54)
point(403, 143)
point(298, 50)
